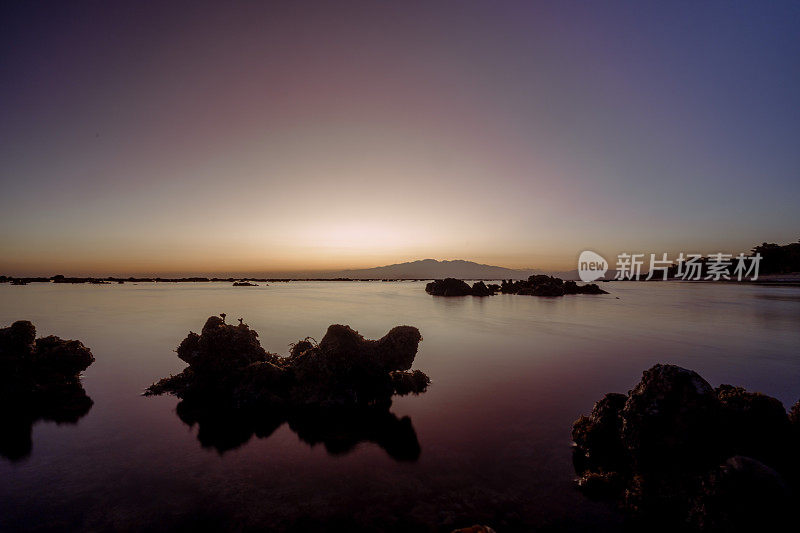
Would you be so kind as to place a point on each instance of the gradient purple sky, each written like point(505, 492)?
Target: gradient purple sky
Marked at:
point(168, 137)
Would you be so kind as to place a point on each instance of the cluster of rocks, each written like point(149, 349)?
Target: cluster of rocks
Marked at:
point(337, 392)
point(228, 362)
point(457, 287)
point(678, 454)
point(344, 368)
point(541, 285)
point(538, 285)
point(39, 379)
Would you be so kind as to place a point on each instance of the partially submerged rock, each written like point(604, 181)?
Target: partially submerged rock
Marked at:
point(448, 287)
point(39, 379)
point(675, 452)
point(346, 377)
point(538, 285)
point(541, 285)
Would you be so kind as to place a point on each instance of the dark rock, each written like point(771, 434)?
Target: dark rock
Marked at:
point(659, 450)
point(28, 361)
point(754, 425)
point(479, 288)
point(598, 436)
point(542, 285)
point(448, 287)
point(222, 348)
point(39, 380)
point(742, 495)
point(670, 417)
point(601, 485)
point(232, 381)
point(244, 284)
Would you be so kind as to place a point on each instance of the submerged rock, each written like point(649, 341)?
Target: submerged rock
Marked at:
point(674, 451)
point(39, 380)
point(232, 381)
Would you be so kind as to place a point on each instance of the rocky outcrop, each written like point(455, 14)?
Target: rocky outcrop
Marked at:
point(448, 287)
point(456, 287)
point(232, 380)
point(39, 380)
point(677, 453)
point(344, 368)
point(541, 285)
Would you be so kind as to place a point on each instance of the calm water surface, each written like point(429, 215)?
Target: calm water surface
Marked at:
point(509, 375)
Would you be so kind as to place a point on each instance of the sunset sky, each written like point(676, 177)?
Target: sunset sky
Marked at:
point(209, 137)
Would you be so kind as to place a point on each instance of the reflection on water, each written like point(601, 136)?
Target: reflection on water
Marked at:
point(64, 404)
point(338, 429)
point(509, 376)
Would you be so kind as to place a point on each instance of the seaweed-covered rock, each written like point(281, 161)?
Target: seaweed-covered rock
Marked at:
point(676, 452)
point(598, 436)
point(670, 417)
point(344, 376)
point(222, 348)
point(39, 380)
point(28, 362)
point(754, 425)
point(344, 368)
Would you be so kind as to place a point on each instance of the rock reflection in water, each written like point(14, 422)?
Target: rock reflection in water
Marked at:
point(339, 429)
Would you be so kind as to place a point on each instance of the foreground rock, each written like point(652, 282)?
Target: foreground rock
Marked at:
point(541, 285)
point(39, 379)
point(681, 455)
point(339, 388)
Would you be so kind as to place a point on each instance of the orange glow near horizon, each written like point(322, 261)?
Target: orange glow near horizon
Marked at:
point(263, 138)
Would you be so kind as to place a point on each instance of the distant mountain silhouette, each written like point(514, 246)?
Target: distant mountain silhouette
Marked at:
point(433, 269)
point(457, 268)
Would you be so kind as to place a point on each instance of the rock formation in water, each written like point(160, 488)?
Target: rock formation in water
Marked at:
point(681, 455)
point(340, 388)
point(541, 285)
point(39, 379)
point(538, 285)
point(457, 287)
